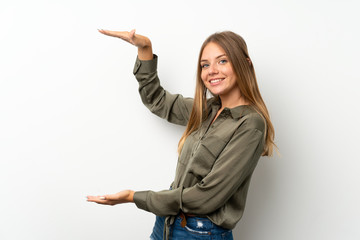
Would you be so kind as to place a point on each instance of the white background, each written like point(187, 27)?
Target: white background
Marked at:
point(72, 123)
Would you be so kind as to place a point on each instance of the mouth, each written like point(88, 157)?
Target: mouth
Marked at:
point(216, 81)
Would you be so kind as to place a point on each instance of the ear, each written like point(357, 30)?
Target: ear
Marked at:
point(248, 59)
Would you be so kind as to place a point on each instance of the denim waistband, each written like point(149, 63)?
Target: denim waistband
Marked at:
point(199, 225)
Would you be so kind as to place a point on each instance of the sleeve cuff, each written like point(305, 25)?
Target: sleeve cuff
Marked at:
point(140, 199)
point(145, 66)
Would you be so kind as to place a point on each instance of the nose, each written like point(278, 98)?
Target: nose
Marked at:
point(213, 69)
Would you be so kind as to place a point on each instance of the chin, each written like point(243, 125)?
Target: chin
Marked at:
point(215, 93)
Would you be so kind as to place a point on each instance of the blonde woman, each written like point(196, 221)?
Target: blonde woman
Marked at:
point(224, 138)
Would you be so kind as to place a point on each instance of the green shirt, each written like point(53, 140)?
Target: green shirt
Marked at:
point(216, 162)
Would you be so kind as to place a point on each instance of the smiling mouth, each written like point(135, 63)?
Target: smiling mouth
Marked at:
point(216, 80)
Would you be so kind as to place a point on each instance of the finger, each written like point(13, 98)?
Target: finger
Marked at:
point(108, 32)
point(98, 199)
point(102, 31)
point(112, 33)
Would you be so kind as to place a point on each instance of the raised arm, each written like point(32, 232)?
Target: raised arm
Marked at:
point(141, 42)
point(172, 107)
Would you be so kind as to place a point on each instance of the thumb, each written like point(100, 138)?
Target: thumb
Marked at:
point(132, 34)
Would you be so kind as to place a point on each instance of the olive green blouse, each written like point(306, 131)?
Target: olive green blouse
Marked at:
point(216, 162)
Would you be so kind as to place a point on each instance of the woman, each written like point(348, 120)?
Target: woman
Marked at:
point(224, 138)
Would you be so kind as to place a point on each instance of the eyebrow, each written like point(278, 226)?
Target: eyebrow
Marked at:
point(222, 55)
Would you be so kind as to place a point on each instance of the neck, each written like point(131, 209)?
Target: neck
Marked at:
point(232, 101)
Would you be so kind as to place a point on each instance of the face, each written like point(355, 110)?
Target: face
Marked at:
point(217, 73)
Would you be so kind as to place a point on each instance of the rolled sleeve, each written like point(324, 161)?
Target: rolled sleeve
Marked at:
point(161, 203)
point(145, 66)
point(140, 199)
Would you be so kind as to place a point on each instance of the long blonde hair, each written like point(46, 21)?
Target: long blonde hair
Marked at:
point(237, 53)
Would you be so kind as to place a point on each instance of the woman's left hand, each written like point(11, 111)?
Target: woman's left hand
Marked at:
point(125, 196)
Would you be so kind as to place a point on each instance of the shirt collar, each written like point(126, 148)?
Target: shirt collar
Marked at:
point(236, 112)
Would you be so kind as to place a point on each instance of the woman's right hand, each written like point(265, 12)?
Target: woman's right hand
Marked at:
point(141, 42)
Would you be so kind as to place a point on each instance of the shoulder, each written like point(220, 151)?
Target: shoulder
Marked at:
point(253, 120)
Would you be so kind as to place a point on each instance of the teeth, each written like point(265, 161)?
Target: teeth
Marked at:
point(215, 80)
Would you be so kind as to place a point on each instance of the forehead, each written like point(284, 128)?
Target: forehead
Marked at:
point(212, 50)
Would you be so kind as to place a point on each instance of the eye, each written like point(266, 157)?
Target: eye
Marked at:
point(223, 61)
point(205, 65)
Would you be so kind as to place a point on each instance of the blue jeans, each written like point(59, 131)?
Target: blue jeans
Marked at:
point(196, 228)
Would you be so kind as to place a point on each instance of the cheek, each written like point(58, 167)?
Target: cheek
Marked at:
point(229, 72)
point(203, 77)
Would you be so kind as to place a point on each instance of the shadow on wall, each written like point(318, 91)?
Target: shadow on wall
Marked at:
point(262, 187)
